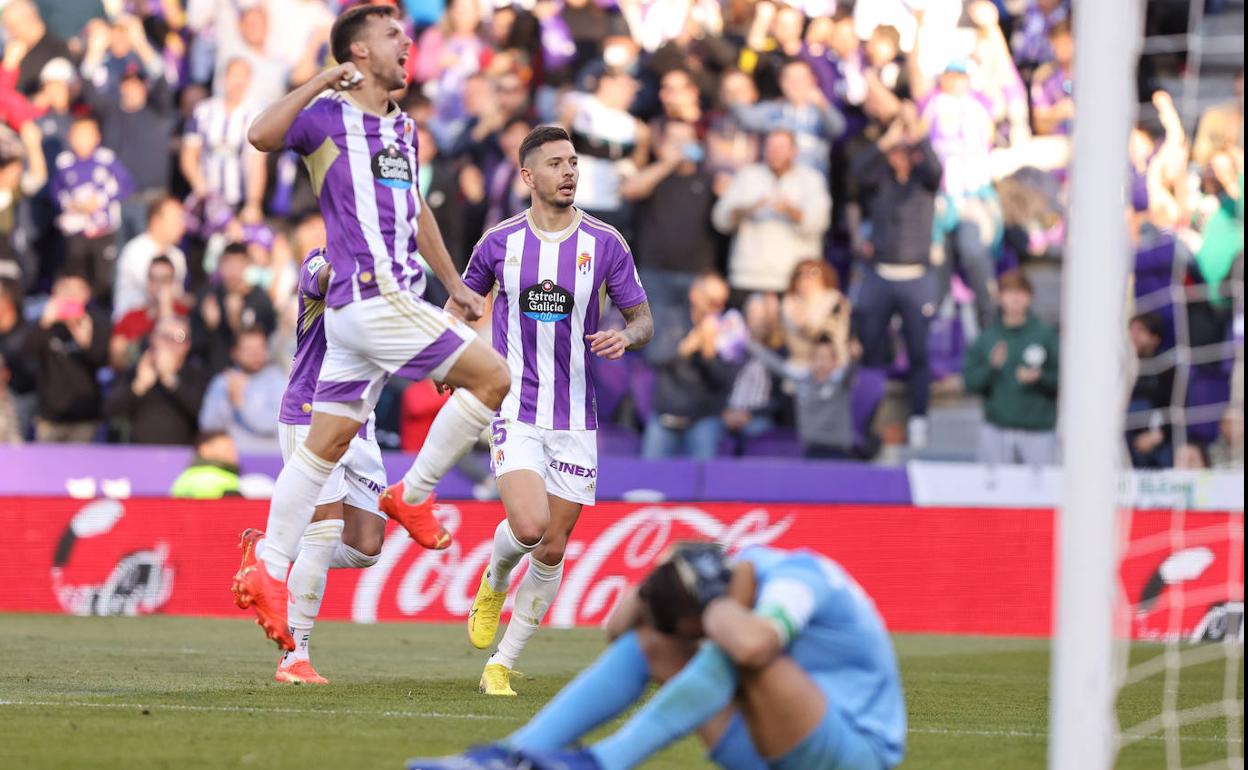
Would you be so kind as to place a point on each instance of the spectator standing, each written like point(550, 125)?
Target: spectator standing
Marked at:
point(803, 110)
point(138, 124)
point(1031, 32)
point(611, 145)
point(29, 45)
point(1150, 446)
point(448, 53)
point(23, 172)
point(730, 147)
point(88, 185)
point(961, 131)
point(755, 401)
point(244, 400)
point(674, 200)
point(55, 98)
point(164, 300)
point(216, 159)
point(1221, 126)
point(505, 192)
point(160, 397)
point(70, 346)
point(116, 48)
point(270, 74)
point(899, 177)
point(1013, 364)
point(229, 307)
point(778, 212)
point(695, 378)
point(1052, 85)
point(166, 224)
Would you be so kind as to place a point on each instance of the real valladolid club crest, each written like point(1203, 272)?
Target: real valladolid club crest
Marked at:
point(584, 263)
point(139, 582)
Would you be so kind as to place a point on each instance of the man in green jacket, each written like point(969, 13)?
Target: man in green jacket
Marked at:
point(1014, 366)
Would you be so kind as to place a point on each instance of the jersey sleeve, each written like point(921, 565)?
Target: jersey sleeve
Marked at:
point(623, 282)
point(479, 275)
point(310, 128)
point(309, 273)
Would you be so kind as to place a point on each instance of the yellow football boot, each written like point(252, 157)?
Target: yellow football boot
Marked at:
point(483, 617)
point(496, 680)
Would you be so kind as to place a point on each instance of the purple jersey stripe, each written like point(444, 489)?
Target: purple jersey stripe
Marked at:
point(530, 259)
point(431, 357)
point(563, 338)
point(352, 390)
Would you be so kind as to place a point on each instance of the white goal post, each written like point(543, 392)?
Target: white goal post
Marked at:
point(1082, 723)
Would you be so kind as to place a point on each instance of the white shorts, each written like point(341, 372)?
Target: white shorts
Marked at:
point(357, 480)
point(567, 460)
point(369, 340)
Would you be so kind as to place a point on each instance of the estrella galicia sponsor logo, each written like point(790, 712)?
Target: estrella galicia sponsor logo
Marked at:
point(546, 302)
point(391, 168)
point(572, 469)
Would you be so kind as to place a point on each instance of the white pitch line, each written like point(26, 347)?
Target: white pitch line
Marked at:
point(492, 717)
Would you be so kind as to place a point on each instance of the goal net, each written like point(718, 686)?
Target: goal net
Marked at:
point(1148, 649)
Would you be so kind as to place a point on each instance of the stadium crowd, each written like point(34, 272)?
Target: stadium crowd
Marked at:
point(823, 198)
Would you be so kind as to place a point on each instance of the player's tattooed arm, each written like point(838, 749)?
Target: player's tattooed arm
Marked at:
point(637, 331)
point(639, 324)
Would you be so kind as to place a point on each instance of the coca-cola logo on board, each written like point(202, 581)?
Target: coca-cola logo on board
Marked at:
point(598, 566)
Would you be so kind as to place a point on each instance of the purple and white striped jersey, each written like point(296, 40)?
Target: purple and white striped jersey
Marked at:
point(363, 168)
point(550, 296)
point(309, 343)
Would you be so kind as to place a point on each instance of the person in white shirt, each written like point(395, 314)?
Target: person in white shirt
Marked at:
point(778, 211)
point(166, 223)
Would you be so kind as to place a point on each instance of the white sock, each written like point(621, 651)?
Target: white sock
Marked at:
point(303, 638)
point(534, 596)
point(454, 431)
point(507, 553)
point(307, 576)
point(294, 499)
point(351, 558)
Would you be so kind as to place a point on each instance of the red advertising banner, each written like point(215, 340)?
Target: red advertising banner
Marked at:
point(944, 570)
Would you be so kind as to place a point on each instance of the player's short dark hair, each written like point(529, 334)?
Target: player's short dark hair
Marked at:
point(539, 136)
point(346, 29)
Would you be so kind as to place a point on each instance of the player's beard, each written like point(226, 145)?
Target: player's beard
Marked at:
point(555, 201)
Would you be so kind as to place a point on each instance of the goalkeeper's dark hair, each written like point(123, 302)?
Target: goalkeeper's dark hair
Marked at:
point(346, 29)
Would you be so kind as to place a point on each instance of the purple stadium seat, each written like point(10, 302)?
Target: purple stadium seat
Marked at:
point(616, 440)
point(640, 385)
point(1206, 388)
point(869, 385)
point(610, 385)
point(777, 442)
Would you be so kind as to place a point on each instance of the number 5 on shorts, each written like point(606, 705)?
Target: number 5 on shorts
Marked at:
point(498, 437)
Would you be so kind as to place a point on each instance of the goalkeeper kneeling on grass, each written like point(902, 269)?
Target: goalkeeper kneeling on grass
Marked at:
point(776, 659)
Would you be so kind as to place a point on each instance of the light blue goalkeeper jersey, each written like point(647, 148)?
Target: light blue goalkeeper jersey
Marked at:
point(835, 633)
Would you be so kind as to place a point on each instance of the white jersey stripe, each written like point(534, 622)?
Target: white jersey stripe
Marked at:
point(547, 270)
point(402, 224)
point(515, 345)
point(585, 244)
point(366, 201)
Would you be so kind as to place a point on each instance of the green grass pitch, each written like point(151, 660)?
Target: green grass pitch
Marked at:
point(162, 692)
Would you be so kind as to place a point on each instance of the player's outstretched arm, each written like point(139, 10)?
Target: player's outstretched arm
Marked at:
point(637, 331)
point(268, 131)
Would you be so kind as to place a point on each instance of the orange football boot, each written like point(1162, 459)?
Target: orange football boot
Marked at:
point(299, 672)
point(247, 544)
point(418, 520)
point(254, 587)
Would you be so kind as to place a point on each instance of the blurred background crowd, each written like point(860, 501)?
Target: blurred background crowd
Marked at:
point(849, 217)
